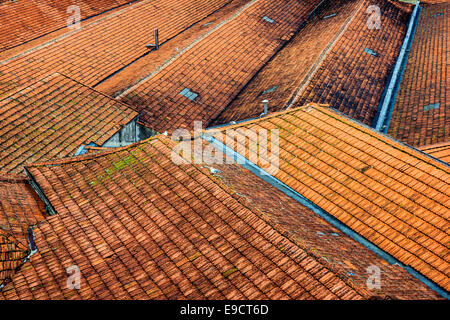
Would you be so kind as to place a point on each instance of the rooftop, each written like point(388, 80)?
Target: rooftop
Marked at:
point(217, 66)
point(392, 195)
point(440, 151)
point(52, 118)
point(330, 202)
point(347, 257)
point(22, 21)
point(139, 226)
point(335, 67)
point(20, 209)
point(421, 114)
point(102, 47)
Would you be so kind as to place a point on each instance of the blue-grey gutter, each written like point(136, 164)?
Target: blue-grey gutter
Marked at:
point(261, 173)
point(381, 121)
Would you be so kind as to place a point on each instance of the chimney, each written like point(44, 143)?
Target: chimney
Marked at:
point(154, 46)
point(266, 107)
point(156, 36)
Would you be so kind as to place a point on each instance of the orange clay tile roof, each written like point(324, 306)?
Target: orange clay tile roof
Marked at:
point(350, 79)
point(279, 79)
point(53, 118)
point(141, 227)
point(395, 197)
point(102, 47)
point(19, 209)
point(24, 20)
point(416, 118)
point(12, 255)
point(346, 257)
point(440, 151)
point(213, 70)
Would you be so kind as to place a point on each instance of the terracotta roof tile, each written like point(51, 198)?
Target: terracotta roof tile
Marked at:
point(19, 209)
point(421, 114)
point(141, 227)
point(53, 118)
point(205, 78)
point(352, 80)
point(102, 47)
point(440, 151)
point(23, 20)
point(279, 79)
point(348, 258)
point(392, 195)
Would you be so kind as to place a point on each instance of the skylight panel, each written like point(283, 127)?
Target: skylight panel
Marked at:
point(189, 94)
point(268, 19)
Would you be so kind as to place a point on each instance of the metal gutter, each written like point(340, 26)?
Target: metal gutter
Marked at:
point(261, 173)
point(381, 121)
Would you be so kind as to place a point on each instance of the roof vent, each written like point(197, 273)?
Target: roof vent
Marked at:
point(329, 16)
point(270, 90)
point(154, 46)
point(370, 51)
point(266, 107)
point(268, 19)
point(189, 94)
point(432, 106)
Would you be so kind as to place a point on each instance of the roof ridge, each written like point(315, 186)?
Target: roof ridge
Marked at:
point(81, 158)
point(264, 118)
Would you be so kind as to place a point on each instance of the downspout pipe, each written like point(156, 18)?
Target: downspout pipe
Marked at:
point(264, 175)
point(392, 88)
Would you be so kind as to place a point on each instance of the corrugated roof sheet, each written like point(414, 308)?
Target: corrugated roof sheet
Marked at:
point(139, 226)
point(395, 197)
point(53, 118)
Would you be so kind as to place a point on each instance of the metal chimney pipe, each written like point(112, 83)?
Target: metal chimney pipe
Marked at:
point(156, 36)
point(266, 107)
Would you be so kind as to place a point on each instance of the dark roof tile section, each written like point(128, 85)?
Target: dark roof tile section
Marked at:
point(394, 196)
point(348, 258)
point(279, 79)
point(351, 79)
point(102, 47)
point(141, 227)
point(421, 114)
point(218, 66)
point(24, 20)
point(53, 118)
point(20, 208)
